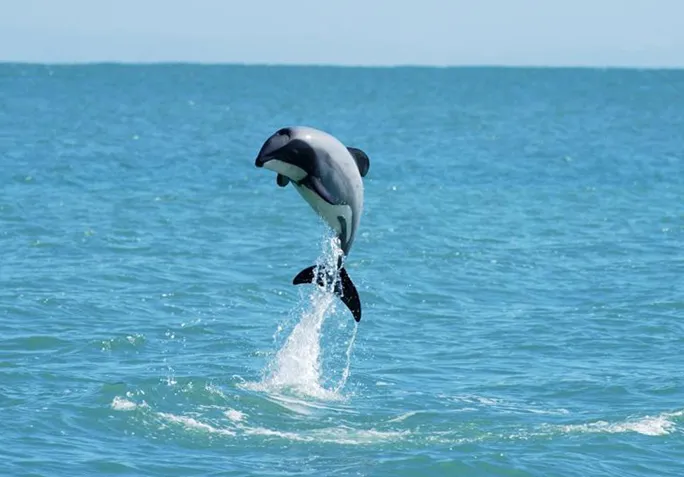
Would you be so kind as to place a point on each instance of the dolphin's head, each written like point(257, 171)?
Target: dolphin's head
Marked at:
point(290, 152)
point(326, 172)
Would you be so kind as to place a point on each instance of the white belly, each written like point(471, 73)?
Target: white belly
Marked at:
point(328, 212)
point(294, 173)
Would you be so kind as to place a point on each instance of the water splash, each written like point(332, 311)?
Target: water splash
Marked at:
point(345, 371)
point(297, 365)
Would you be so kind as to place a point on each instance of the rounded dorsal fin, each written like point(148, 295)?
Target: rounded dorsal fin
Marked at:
point(361, 158)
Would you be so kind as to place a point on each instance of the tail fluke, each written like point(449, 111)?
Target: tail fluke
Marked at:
point(350, 296)
point(344, 287)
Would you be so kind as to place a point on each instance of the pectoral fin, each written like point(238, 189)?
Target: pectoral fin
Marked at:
point(282, 181)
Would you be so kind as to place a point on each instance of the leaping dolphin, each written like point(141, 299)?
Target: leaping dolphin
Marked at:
point(328, 175)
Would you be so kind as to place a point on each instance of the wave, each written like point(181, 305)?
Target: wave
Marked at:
point(232, 423)
point(659, 425)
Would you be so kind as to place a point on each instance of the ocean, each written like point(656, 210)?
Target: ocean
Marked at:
point(520, 261)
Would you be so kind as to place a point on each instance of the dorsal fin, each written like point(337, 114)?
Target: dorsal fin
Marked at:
point(361, 158)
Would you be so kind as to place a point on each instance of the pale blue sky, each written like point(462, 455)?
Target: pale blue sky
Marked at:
point(361, 32)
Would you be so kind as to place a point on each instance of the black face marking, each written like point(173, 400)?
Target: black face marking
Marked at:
point(269, 148)
point(298, 153)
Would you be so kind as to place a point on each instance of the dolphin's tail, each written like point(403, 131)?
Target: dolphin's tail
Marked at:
point(344, 287)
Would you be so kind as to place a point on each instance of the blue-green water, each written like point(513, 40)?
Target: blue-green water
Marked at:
point(520, 261)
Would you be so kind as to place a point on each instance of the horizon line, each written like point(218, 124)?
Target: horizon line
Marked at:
point(342, 65)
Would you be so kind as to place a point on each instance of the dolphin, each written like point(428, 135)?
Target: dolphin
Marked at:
point(327, 174)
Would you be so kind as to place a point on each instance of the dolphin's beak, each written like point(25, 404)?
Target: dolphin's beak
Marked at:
point(261, 160)
point(271, 149)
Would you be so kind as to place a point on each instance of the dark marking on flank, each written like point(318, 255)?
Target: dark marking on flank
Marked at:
point(343, 232)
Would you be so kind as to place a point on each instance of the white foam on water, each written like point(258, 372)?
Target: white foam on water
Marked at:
point(123, 404)
point(660, 425)
point(505, 406)
point(212, 389)
point(343, 435)
point(262, 431)
point(234, 415)
point(404, 416)
point(549, 411)
point(333, 435)
point(297, 365)
point(193, 424)
point(298, 405)
point(473, 398)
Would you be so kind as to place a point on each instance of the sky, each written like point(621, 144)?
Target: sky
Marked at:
point(604, 33)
